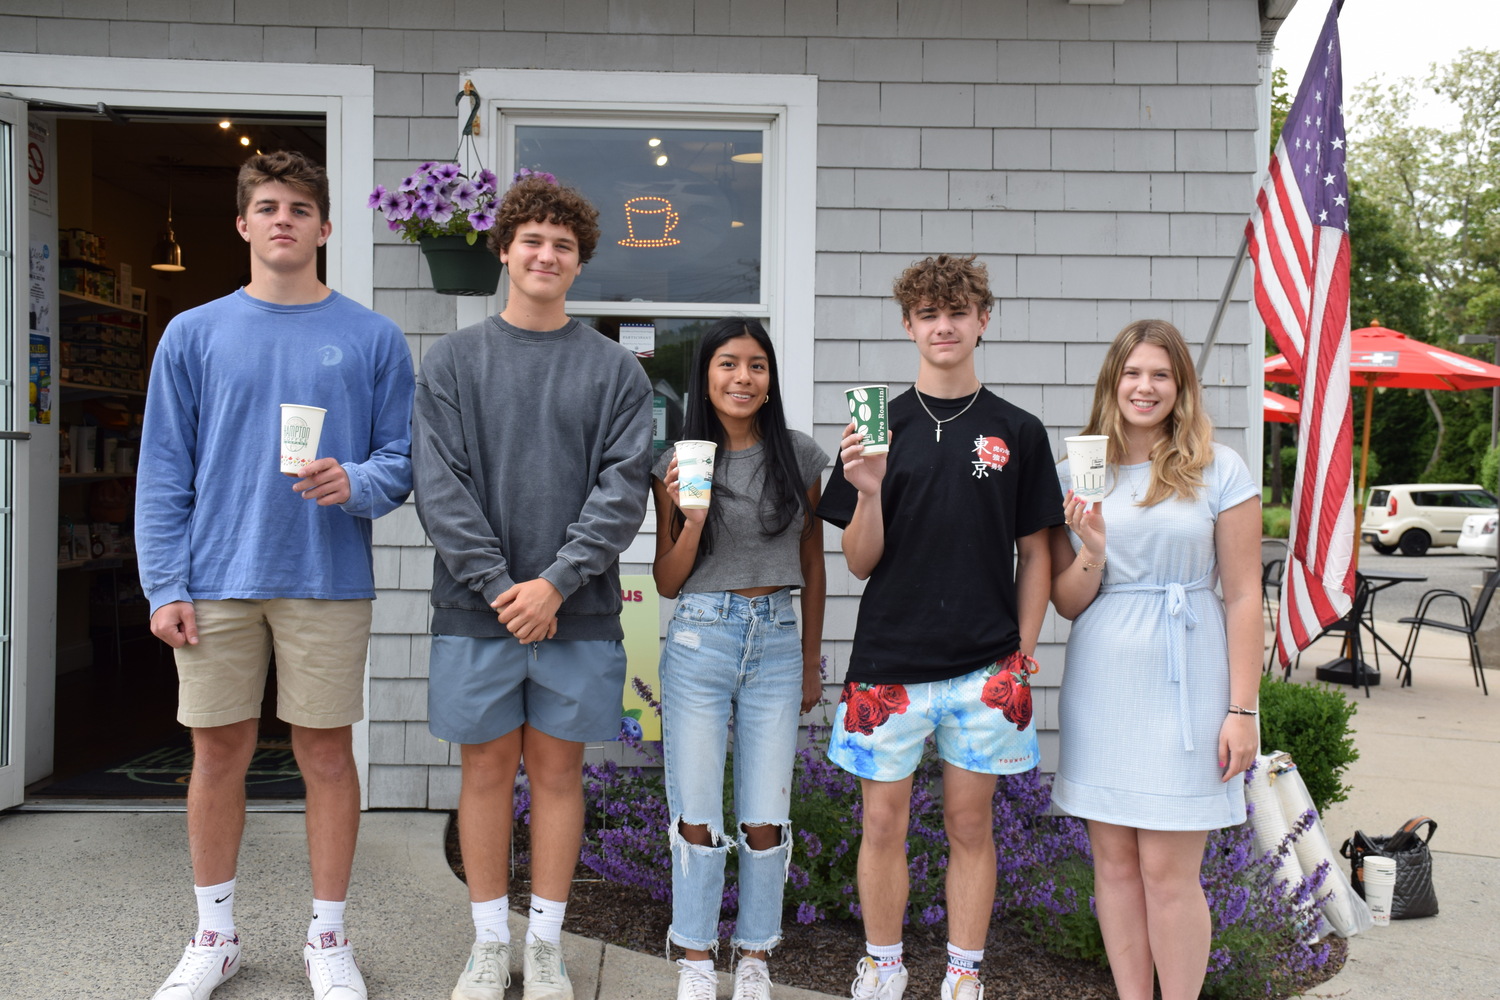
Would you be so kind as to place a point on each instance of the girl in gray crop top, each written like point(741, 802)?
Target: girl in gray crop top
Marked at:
point(733, 653)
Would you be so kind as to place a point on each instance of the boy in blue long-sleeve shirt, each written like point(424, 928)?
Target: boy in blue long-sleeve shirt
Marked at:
point(237, 559)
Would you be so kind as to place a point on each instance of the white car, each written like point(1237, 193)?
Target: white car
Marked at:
point(1414, 517)
point(1477, 538)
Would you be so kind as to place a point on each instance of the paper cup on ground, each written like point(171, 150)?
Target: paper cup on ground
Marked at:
point(301, 426)
point(867, 407)
point(1086, 464)
point(1380, 886)
point(695, 474)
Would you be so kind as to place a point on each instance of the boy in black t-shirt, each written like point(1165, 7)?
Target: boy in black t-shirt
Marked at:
point(946, 630)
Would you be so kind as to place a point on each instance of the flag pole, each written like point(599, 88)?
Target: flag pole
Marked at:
point(1213, 328)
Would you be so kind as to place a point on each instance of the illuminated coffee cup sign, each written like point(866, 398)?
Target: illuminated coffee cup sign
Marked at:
point(649, 220)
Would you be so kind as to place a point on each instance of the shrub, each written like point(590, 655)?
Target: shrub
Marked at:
point(1310, 722)
point(1489, 470)
point(1275, 522)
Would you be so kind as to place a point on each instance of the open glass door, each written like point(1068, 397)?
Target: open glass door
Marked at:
point(13, 435)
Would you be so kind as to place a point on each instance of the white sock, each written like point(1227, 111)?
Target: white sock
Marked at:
point(215, 907)
point(546, 920)
point(328, 918)
point(704, 965)
point(961, 962)
point(491, 920)
point(887, 958)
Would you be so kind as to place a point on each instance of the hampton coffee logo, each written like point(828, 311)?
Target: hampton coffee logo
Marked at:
point(295, 434)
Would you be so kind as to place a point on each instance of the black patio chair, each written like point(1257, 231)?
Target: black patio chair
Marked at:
point(1348, 627)
point(1473, 618)
point(1272, 566)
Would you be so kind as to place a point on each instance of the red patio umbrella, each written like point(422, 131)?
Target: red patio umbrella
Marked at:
point(1279, 408)
point(1379, 356)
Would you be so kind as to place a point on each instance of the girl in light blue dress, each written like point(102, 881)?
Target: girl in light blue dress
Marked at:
point(1159, 694)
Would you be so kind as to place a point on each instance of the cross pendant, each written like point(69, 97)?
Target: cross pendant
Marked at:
point(937, 434)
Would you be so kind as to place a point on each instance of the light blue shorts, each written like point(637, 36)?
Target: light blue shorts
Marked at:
point(980, 721)
point(479, 689)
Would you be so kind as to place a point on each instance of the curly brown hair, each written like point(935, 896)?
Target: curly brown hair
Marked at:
point(944, 280)
point(534, 199)
point(287, 167)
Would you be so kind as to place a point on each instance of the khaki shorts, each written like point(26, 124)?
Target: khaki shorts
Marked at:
point(320, 662)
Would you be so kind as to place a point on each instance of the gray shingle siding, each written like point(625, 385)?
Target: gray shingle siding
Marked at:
point(1100, 159)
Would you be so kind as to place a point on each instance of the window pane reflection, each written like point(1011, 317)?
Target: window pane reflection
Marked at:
point(669, 367)
point(679, 208)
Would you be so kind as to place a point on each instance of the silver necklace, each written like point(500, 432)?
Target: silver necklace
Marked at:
point(1135, 487)
point(938, 431)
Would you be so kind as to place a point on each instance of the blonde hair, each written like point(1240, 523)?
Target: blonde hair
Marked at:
point(1186, 447)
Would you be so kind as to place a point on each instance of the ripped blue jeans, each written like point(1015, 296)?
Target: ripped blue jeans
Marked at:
point(730, 657)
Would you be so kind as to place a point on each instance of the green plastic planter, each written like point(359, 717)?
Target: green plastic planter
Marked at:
point(459, 267)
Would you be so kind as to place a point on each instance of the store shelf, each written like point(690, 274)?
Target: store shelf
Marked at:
point(73, 304)
point(78, 391)
point(103, 562)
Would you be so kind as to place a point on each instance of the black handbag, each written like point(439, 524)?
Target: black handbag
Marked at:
point(1414, 895)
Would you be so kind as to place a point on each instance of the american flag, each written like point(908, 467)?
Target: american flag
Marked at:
point(1299, 241)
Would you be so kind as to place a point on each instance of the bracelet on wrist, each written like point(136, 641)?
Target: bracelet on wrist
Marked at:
point(1087, 566)
point(1237, 710)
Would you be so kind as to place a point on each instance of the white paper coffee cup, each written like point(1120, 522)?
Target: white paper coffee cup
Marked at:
point(867, 407)
point(1086, 464)
point(1380, 887)
point(301, 426)
point(695, 474)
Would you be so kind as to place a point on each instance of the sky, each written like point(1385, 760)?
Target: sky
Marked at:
point(1395, 38)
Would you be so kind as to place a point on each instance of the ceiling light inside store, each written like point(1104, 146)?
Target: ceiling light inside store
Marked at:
point(748, 157)
point(653, 142)
point(244, 140)
point(167, 256)
point(226, 123)
point(661, 161)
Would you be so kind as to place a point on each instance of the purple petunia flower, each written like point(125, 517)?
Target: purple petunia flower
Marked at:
point(411, 181)
point(422, 209)
point(487, 181)
point(447, 172)
point(482, 220)
point(465, 195)
point(376, 195)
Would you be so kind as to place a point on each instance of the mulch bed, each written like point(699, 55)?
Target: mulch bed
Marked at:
point(821, 956)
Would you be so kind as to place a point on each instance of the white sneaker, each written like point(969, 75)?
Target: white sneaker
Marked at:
point(695, 984)
point(210, 959)
point(331, 969)
point(546, 977)
point(867, 984)
point(487, 974)
point(752, 980)
point(968, 987)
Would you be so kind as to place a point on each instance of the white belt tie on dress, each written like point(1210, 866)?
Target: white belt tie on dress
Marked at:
point(1179, 619)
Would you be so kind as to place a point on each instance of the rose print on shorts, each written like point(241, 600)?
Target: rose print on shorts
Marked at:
point(867, 706)
point(1009, 688)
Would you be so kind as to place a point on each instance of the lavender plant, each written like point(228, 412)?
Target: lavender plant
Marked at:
point(1044, 867)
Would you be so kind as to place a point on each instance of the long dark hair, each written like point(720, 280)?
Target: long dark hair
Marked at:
point(784, 499)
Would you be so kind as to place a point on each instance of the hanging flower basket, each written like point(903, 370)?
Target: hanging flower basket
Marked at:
point(459, 267)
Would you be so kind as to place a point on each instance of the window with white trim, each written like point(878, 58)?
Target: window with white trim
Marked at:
point(706, 207)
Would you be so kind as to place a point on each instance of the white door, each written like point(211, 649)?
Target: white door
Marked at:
point(14, 269)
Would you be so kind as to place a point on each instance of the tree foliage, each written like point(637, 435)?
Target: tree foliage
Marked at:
point(1425, 229)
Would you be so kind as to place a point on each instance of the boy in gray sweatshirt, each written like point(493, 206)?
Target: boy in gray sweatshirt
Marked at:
point(531, 452)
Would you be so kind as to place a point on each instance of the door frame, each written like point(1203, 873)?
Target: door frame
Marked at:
point(13, 674)
point(344, 95)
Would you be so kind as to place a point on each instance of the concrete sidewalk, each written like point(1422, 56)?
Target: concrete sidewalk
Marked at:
point(120, 880)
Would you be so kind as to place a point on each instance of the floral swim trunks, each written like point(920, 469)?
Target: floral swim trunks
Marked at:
point(981, 722)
